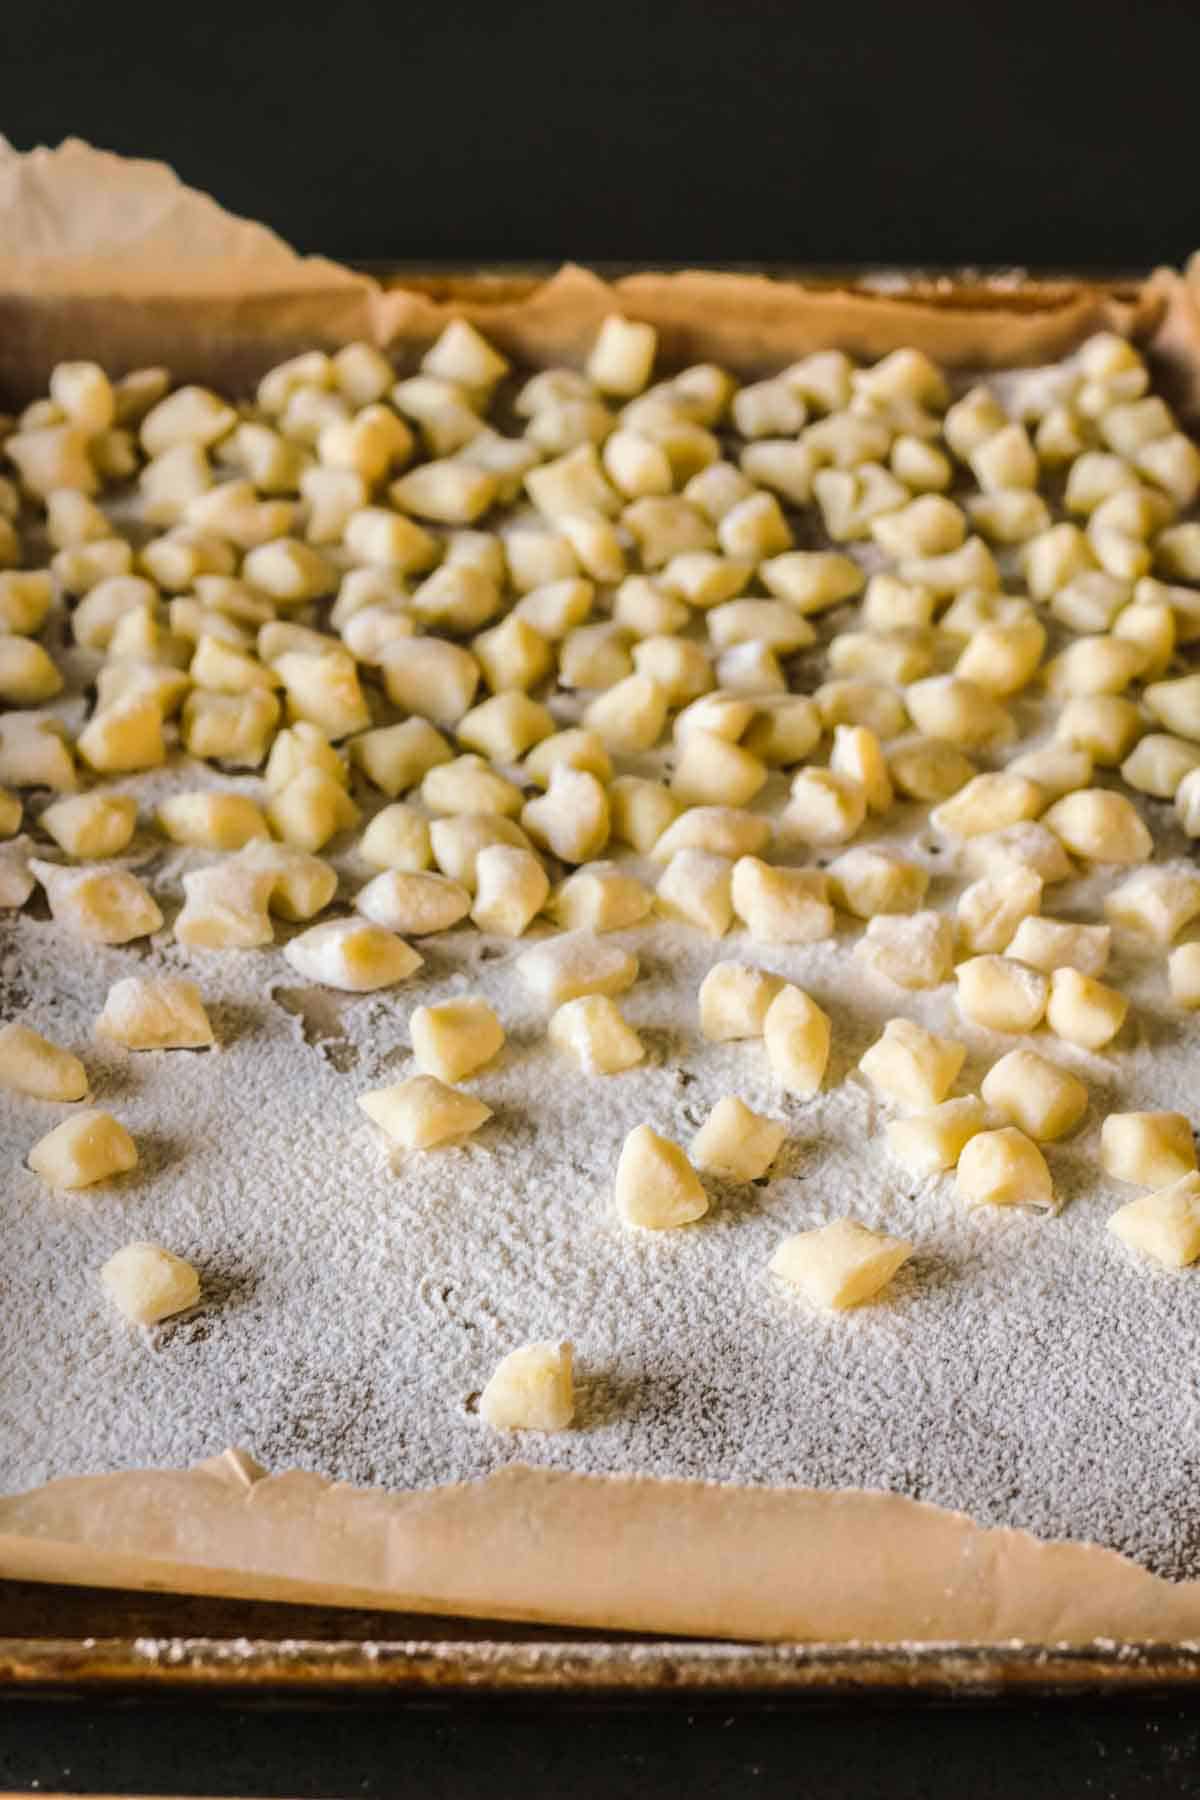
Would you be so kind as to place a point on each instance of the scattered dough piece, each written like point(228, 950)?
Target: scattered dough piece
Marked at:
point(1151, 1148)
point(734, 1001)
point(1027, 846)
point(414, 902)
point(210, 821)
point(1083, 1011)
point(1002, 994)
point(911, 1065)
point(735, 1142)
point(1101, 826)
point(1183, 975)
point(353, 955)
point(841, 1264)
point(155, 1013)
point(915, 950)
point(696, 888)
point(866, 882)
point(104, 906)
point(91, 825)
point(454, 1038)
point(592, 1030)
point(302, 884)
point(990, 911)
point(1156, 903)
point(601, 896)
point(656, 1186)
point(511, 887)
point(1164, 1224)
point(225, 907)
point(1004, 1168)
point(148, 1283)
point(30, 1064)
point(531, 1389)
point(797, 1036)
point(781, 905)
point(934, 1140)
point(1049, 944)
point(423, 1112)
point(576, 964)
point(17, 881)
point(88, 1147)
point(1030, 1091)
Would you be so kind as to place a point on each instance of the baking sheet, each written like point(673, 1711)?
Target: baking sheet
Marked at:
point(528, 1543)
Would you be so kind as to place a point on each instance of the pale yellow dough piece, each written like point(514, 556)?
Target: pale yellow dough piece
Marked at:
point(101, 905)
point(656, 1186)
point(155, 1013)
point(531, 1389)
point(1004, 1168)
point(734, 1001)
point(933, 1141)
point(31, 1064)
point(423, 1112)
point(148, 1283)
point(911, 1065)
point(1150, 1148)
point(1164, 1225)
point(88, 1147)
point(592, 1030)
point(797, 1036)
point(568, 967)
point(455, 1038)
point(735, 1142)
point(841, 1264)
point(1030, 1091)
point(353, 955)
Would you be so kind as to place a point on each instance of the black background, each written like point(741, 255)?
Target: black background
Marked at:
point(646, 130)
point(737, 130)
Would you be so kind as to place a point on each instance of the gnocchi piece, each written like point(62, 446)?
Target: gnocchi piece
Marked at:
point(866, 881)
point(958, 712)
point(394, 758)
point(841, 1264)
point(1083, 1011)
point(101, 905)
point(781, 905)
point(159, 1013)
point(91, 825)
point(927, 769)
point(311, 809)
point(511, 887)
point(1158, 764)
point(353, 955)
point(225, 907)
point(456, 842)
point(576, 964)
point(413, 902)
point(1183, 975)
point(914, 950)
point(1164, 1225)
point(825, 807)
point(1004, 1168)
point(455, 1038)
point(31, 1064)
point(423, 1112)
point(592, 1030)
point(797, 1037)
point(990, 911)
point(600, 896)
point(1049, 944)
point(124, 736)
point(696, 888)
point(505, 727)
point(207, 820)
point(913, 1066)
point(933, 1141)
point(989, 803)
point(1029, 846)
point(148, 1284)
point(812, 580)
point(1156, 903)
point(229, 728)
point(1057, 770)
point(468, 784)
point(1030, 1091)
point(89, 1147)
point(531, 1389)
point(656, 1186)
point(571, 819)
point(721, 830)
point(34, 752)
point(302, 885)
point(1100, 826)
point(736, 1143)
point(1152, 1149)
point(734, 1000)
point(1001, 994)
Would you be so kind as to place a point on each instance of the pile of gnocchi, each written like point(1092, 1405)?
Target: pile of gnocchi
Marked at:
point(566, 654)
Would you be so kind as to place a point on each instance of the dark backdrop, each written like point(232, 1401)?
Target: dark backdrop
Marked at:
point(646, 130)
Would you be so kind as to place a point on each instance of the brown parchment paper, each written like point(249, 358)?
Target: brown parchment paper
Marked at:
point(115, 259)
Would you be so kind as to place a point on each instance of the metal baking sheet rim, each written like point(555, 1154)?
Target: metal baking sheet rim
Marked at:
point(422, 1668)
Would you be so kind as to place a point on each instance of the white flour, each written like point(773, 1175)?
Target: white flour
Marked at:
point(1025, 1369)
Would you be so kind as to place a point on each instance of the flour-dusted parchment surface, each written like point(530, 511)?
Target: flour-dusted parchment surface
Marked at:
point(1025, 1369)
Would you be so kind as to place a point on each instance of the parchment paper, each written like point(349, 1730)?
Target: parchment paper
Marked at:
point(115, 259)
